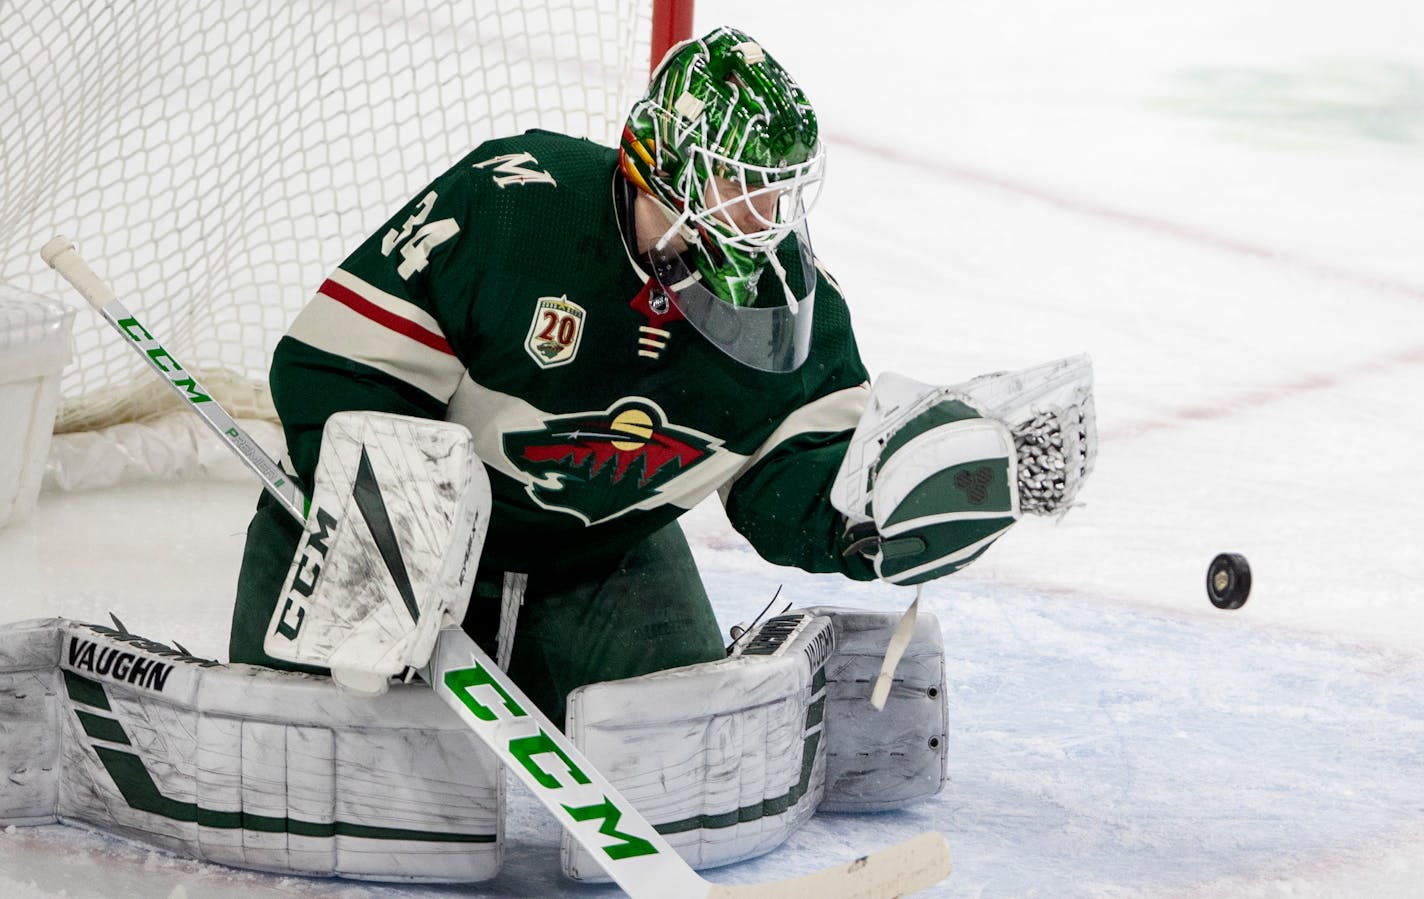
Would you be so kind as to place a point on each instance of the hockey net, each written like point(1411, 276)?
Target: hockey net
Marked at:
point(214, 161)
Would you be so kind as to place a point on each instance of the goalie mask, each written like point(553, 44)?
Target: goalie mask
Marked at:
point(727, 146)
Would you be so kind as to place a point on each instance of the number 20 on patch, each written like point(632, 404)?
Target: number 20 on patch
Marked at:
point(555, 332)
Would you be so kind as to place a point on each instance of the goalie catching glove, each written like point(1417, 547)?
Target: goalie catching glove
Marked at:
point(934, 475)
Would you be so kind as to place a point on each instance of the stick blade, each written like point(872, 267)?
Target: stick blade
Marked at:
point(899, 870)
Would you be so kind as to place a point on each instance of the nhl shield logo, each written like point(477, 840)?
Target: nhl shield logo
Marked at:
point(555, 332)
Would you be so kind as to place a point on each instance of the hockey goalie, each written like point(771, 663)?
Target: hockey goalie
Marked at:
point(501, 403)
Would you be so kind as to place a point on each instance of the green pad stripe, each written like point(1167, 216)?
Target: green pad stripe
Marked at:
point(101, 728)
point(775, 805)
point(85, 691)
point(138, 789)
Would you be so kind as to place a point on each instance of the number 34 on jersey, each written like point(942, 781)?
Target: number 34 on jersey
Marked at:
point(416, 238)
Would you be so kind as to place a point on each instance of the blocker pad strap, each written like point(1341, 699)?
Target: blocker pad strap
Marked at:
point(240, 765)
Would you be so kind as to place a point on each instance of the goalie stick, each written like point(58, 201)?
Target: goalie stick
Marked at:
point(585, 804)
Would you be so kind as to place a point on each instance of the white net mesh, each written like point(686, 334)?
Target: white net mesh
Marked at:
point(214, 161)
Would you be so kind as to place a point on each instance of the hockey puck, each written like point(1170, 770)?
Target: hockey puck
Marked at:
point(1228, 581)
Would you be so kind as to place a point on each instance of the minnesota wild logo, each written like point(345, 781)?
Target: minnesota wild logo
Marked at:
point(599, 465)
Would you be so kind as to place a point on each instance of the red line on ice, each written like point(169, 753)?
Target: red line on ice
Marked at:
point(1186, 233)
point(1250, 399)
point(1265, 396)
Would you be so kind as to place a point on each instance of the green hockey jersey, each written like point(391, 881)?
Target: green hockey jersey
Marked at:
point(504, 297)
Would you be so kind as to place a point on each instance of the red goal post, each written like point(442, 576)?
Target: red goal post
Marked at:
point(216, 160)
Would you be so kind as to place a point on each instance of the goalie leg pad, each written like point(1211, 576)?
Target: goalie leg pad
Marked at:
point(30, 709)
point(241, 765)
point(727, 758)
point(883, 760)
point(392, 542)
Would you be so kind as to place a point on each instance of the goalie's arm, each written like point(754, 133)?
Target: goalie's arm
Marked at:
point(778, 501)
point(780, 506)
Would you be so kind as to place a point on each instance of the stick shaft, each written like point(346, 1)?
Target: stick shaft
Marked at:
point(556, 771)
point(60, 254)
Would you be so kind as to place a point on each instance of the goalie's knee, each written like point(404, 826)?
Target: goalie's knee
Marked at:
point(729, 758)
point(726, 758)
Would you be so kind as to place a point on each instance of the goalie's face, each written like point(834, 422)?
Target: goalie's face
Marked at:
point(736, 216)
point(751, 208)
point(749, 212)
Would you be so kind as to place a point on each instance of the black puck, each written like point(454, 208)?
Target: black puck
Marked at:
point(1228, 581)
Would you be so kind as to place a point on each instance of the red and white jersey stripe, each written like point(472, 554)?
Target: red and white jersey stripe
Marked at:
point(353, 319)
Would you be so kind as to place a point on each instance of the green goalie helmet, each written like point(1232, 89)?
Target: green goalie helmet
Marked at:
point(727, 145)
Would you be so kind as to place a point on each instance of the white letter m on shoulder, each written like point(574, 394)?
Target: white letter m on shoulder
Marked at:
point(512, 169)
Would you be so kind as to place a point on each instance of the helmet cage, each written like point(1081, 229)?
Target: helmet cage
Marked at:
point(734, 229)
point(717, 190)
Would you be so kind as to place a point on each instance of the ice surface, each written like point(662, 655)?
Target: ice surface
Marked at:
point(1223, 203)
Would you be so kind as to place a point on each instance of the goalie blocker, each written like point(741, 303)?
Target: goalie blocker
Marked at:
point(390, 549)
point(285, 772)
